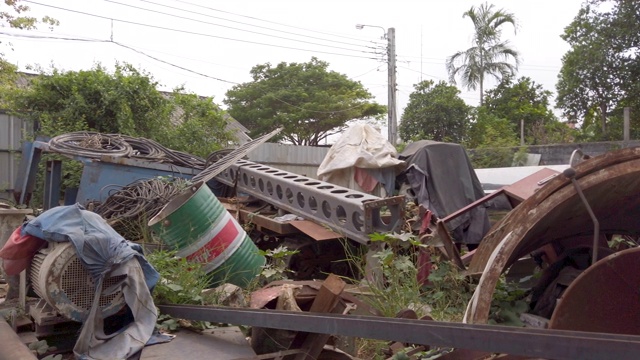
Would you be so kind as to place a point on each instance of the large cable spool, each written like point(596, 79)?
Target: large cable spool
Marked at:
point(58, 277)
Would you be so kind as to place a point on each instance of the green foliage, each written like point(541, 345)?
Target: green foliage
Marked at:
point(488, 55)
point(448, 291)
point(522, 100)
point(435, 112)
point(492, 139)
point(8, 79)
point(306, 99)
point(181, 281)
point(167, 323)
point(509, 302)
point(15, 17)
point(124, 102)
point(596, 73)
point(276, 266)
point(198, 118)
point(398, 287)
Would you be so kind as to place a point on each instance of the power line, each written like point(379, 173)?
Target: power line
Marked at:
point(243, 23)
point(420, 72)
point(182, 68)
point(235, 28)
point(272, 22)
point(443, 61)
point(370, 71)
point(195, 33)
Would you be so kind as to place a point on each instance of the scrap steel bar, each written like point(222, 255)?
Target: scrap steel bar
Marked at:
point(352, 213)
point(219, 166)
point(544, 343)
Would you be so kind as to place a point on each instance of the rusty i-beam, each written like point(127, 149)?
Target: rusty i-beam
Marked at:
point(539, 343)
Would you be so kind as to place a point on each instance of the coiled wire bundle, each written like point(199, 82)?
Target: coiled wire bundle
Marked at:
point(129, 209)
point(89, 144)
point(95, 145)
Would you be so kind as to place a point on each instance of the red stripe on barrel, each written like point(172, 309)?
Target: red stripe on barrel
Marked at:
point(220, 242)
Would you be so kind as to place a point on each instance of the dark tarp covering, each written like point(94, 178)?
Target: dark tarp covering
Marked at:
point(443, 181)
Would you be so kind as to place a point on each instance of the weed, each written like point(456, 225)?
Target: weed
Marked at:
point(509, 302)
point(448, 291)
point(398, 288)
point(181, 281)
point(276, 266)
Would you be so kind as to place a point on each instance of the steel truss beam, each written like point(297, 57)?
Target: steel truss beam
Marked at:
point(352, 213)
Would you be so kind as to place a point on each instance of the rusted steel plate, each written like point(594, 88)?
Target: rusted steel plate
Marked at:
point(611, 184)
point(525, 188)
point(604, 298)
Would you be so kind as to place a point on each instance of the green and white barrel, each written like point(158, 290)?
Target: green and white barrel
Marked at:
point(200, 229)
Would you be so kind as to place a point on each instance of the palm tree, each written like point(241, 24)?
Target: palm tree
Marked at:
point(488, 55)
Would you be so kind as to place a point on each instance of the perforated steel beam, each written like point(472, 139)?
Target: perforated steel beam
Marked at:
point(352, 213)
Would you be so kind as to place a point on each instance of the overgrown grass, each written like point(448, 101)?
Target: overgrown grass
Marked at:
point(181, 281)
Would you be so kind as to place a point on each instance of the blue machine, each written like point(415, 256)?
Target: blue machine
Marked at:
point(99, 176)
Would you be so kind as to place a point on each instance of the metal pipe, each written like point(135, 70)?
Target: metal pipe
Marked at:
point(12, 347)
point(571, 174)
point(538, 343)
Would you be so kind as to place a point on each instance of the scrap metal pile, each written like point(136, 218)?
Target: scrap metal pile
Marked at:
point(570, 224)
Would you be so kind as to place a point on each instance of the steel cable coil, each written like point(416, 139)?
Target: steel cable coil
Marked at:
point(95, 145)
point(129, 209)
point(89, 144)
point(143, 148)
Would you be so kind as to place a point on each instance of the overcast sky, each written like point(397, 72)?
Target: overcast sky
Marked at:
point(208, 46)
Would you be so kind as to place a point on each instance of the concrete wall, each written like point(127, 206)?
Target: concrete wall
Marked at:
point(561, 153)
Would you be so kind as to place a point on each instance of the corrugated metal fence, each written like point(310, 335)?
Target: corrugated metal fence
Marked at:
point(301, 160)
point(12, 131)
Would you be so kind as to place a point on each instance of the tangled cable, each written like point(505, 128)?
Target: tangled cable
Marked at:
point(129, 209)
point(89, 144)
point(95, 145)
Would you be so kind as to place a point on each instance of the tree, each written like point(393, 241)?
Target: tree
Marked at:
point(200, 119)
point(488, 55)
point(15, 17)
point(125, 102)
point(435, 112)
point(492, 139)
point(306, 99)
point(8, 79)
point(523, 100)
point(597, 72)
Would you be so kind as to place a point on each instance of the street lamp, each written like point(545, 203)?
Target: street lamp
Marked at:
point(390, 35)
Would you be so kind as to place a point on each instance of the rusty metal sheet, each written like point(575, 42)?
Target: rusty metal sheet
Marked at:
point(525, 188)
point(604, 298)
point(555, 213)
point(315, 231)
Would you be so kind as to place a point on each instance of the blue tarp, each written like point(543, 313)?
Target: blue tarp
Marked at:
point(104, 252)
point(99, 247)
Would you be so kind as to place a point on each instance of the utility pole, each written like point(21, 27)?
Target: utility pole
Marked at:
point(390, 35)
point(391, 62)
